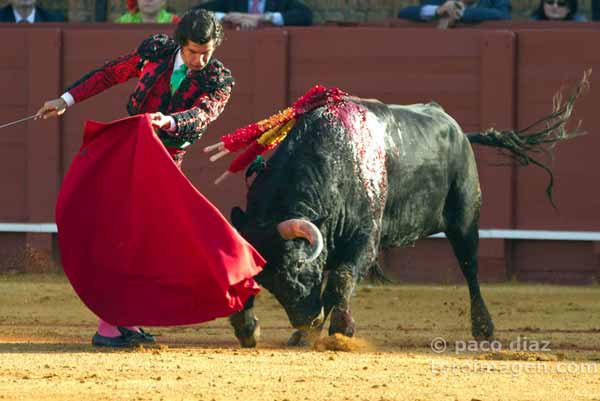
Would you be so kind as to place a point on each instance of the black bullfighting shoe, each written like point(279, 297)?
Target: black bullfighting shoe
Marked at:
point(112, 342)
point(138, 337)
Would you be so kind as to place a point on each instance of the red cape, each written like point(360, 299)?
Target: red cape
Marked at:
point(139, 244)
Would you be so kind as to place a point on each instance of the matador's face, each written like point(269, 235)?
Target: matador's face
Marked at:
point(196, 56)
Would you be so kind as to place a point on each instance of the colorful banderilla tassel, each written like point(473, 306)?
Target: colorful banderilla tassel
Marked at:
point(268, 133)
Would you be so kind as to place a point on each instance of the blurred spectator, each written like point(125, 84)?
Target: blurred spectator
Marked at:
point(25, 11)
point(557, 10)
point(450, 12)
point(595, 10)
point(147, 11)
point(249, 14)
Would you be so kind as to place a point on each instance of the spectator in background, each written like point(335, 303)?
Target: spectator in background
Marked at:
point(450, 12)
point(557, 10)
point(249, 14)
point(147, 11)
point(26, 11)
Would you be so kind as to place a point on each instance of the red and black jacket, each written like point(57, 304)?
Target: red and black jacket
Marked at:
point(199, 100)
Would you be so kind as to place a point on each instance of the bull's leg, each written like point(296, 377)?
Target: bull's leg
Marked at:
point(337, 296)
point(464, 243)
point(336, 300)
point(343, 279)
point(461, 213)
point(245, 325)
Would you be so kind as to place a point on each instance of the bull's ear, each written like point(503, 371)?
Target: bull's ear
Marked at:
point(238, 217)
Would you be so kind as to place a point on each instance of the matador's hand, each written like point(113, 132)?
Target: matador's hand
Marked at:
point(52, 108)
point(159, 120)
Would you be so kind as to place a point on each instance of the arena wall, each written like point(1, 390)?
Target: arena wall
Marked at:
point(492, 76)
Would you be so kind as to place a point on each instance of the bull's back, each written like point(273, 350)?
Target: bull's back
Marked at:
point(421, 165)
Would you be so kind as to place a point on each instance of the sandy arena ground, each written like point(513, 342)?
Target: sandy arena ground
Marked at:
point(45, 351)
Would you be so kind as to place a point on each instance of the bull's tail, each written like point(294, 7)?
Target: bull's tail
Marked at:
point(538, 138)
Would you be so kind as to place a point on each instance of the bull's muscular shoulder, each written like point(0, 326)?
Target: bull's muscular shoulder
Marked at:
point(157, 47)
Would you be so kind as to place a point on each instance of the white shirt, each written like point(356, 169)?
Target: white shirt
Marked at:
point(276, 18)
point(428, 11)
point(18, 17)
point(70, 101)
point(178, 61)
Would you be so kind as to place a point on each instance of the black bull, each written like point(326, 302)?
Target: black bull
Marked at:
point(358, 176)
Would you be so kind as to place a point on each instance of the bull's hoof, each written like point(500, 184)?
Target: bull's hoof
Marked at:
point(482, 327)
point(342, 323)
point(483, 331)
point(304, 338)
point(348, 331)
point(299, 338)
point(246, 329)
point(250, 341)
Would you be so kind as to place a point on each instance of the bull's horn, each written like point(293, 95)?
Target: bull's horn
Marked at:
point(299, 228)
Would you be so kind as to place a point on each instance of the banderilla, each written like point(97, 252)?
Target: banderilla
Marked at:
point(18, 121)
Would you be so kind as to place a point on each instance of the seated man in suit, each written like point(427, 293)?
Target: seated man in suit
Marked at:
point(451, 11)
point(249, 14)
point(26, 11)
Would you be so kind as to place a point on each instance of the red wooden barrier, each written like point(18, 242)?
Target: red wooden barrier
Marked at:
point(483, 77)
point(547, 61)
point(29, 152)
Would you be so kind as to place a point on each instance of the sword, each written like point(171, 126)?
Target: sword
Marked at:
point(18, 121)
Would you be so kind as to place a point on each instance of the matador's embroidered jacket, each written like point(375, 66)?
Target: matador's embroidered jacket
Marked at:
point(199, 100)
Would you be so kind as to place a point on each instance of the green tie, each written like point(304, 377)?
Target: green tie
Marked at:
point(177, 77)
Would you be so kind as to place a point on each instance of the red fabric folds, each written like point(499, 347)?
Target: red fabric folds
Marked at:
point(139, 244)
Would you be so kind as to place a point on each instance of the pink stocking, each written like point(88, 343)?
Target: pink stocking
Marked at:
point(107, 330)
